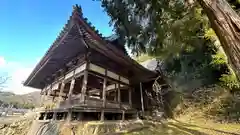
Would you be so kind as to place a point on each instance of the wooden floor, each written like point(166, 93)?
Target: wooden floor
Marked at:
point(94, 104)
point(82, 108)
point(91, 108)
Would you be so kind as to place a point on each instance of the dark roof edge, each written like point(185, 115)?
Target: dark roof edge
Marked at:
point(66, 27)
point(77, 11)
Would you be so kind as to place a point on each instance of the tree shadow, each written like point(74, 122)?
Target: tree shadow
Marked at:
point(161, 129)
point(178, 128)
point(48, 128)
point(191, 125)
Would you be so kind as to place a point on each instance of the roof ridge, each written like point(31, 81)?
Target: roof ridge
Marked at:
point(77, 13)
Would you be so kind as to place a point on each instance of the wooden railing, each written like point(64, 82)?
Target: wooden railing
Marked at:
point(92, 102)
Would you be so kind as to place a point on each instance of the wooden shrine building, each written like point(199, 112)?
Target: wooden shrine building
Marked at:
point(84, 74)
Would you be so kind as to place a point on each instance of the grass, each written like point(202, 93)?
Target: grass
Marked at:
point(186, 127)
point(190, 124)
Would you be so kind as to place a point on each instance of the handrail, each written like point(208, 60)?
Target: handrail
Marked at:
point(93, 102)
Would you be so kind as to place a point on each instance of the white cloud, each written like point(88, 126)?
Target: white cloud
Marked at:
point(17, 73)
point(17, 78)
point(2, 61)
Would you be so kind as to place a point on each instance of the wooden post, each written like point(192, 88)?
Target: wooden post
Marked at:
point(42, 100)
point(119, 95)
point(71, 90)
point(142, 103)
point(45, 95)
point(49, 93)
point(54, 116)
point(69, 115)
point(104, 98)
point(130, 96)
point(42, 97)
point(53, 98)
point(115, 98)
point(80, 116)
point(61, 93)
point(84, 85)
point(45, 116)
point(123, 115)
point(54, 95)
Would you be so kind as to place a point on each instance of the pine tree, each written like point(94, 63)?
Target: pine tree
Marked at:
point(161, 26)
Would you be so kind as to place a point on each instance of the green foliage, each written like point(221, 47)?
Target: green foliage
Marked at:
point(142, 58)
point(146, 26)
point(210, 34)
point(230, 81)
point(27, 101)
point(24, 106)
point(218, 59)
point(235, 4)
point(179, 35)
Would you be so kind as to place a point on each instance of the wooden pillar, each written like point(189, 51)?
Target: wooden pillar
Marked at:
point(45, 116)
point(123, 115)
point(45, 95)
point(119, 95)
point(53, 98)
point(104, 97)
point(130, 96)
point(69, 115)
point(42, 99)
point(65, 96)
point(71, 90)
point(54, 95)
point(54, 115)
point(142, 103)
point(61, 93)
point(49, 93)
point(116, 93)
point(84, 85)
point(80, 116)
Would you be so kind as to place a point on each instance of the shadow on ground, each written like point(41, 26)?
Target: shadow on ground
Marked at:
point(178, 128)
point(169, 129)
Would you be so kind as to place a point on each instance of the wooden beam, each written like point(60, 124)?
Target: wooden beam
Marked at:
point(45, 116)
point(46, 95)
point(42, 100)
point(61, 92)
point(112, 87)
point(75, 71)
point(115, 98)
point(142, 103)
point(42, 96)
point(109, 79)
point(119, 94)
point(130, 96)
point(71, 90)
point(123, 115)
point(55, 92)
point(100, 70)
point(104, 96)
point(69, 115)
point(104, 92)
point(54, 116)
point(84, 83)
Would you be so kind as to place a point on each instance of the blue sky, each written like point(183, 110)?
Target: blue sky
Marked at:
point(29, 27)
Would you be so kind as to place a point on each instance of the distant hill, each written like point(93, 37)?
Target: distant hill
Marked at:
point(32, 98)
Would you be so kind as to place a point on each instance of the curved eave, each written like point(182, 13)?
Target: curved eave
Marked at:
point(104, 45)
point(76, 19)
point(63, 33)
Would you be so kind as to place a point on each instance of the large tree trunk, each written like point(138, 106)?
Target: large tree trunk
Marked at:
point(226, 24)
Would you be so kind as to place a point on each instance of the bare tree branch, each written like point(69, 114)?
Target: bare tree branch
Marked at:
point(3, 81)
